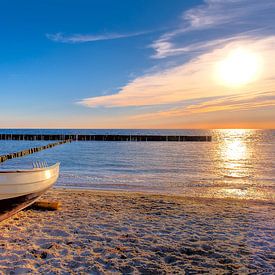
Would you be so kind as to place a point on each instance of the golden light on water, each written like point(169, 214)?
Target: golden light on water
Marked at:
point(235, 150)
point(238, 164)
point(234, 192)
point(234, 147)
point(241, 66)
point(234, 156)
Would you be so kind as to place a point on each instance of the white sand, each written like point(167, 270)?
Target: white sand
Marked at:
point(108, 232)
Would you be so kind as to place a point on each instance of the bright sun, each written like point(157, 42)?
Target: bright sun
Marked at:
point(241, 66)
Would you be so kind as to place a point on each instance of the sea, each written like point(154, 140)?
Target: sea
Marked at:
point(238, 163)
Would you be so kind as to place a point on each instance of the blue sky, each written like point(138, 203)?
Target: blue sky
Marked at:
point(130, 64)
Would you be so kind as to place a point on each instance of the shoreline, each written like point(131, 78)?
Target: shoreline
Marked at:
point(123, 232)
point(164, 194)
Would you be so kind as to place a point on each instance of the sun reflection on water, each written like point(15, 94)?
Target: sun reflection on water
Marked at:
point(234, 158)
point(234, 150)
point(234, 192)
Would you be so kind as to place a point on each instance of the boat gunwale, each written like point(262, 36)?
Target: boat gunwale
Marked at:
point(30, 170)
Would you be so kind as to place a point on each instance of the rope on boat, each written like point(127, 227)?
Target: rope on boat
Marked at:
point(32, 150)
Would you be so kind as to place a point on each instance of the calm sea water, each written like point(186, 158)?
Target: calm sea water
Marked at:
point(236, 164)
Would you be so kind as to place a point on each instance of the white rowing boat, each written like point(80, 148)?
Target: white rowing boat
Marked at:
point(20, 188)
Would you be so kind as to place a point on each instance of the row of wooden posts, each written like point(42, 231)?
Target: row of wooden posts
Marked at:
point(31, 150)
point(69, 138)
point(104, 137)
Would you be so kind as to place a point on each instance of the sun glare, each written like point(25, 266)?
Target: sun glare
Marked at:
point(241, 66)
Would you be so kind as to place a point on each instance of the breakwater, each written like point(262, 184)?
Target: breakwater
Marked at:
point(104, 137)
point(31, 151)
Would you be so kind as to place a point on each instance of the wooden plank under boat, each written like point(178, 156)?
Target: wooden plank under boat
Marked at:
point(21, 188)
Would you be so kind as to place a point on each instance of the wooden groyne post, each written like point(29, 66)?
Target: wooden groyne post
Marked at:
point(31, 150)
point(105, 137)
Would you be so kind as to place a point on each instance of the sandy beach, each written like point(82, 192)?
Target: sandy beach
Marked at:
point(100, 232)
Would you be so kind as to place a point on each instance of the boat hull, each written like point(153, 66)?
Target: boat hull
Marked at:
point(9, 207)
point(19, 189)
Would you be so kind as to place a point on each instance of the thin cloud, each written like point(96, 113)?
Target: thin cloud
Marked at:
point(246, 102)
point(192, 80)
point(164, 48)
point(215, 13)
point(84, 38)
point(205, 36)
point(240, 103)
point(231, 16)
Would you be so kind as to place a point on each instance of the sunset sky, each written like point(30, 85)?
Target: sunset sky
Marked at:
point(137, 64)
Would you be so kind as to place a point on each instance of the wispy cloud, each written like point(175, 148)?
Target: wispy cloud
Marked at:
point(163, 48)
point(240, 102)
point(225, 103)
point(191, 80)
point(205, 35)
point(218, 13)
point(83, 38)
point(230, 18)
